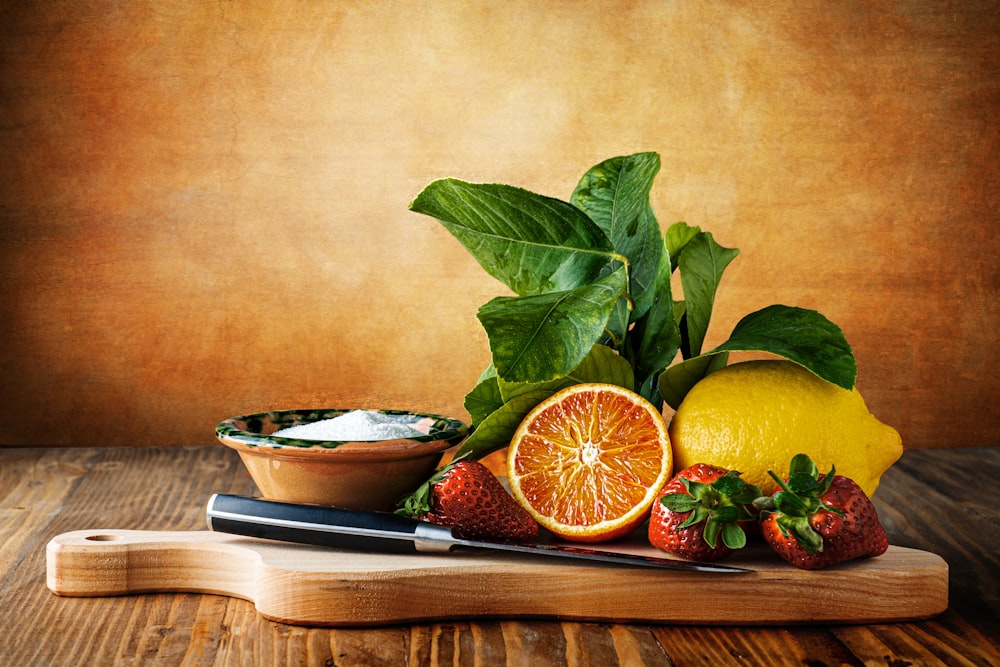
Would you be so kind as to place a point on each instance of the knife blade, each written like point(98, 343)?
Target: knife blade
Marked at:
point(384, 532)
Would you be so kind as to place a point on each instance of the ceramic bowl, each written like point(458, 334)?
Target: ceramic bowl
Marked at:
point(370, 475)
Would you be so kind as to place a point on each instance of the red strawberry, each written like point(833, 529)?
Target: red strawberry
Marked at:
point(466, 496)
point(698, 505)
point(813, 520)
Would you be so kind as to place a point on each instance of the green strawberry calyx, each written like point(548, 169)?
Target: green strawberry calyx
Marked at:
point(418, 503)
point(720, 505)
point(798, 500)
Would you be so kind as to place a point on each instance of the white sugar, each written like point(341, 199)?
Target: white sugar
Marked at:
point(357, 425)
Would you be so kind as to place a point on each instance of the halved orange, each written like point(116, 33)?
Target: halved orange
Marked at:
point(588, 462)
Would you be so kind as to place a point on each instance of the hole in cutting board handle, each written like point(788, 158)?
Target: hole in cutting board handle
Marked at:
point(103, 538)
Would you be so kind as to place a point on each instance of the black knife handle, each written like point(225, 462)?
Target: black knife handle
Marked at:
point(323, 526)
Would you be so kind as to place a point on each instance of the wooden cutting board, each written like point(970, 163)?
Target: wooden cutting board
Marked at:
point(305, 585)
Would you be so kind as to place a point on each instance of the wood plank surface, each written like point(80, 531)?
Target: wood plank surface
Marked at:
point(927, 501)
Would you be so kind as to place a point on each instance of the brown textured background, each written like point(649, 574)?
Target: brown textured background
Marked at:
point(204, 204)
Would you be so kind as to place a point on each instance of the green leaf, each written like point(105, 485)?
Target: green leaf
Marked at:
point(495, 432)
point(602, 364)
point(484, 399)
point(797, 334)
point(657, 332)
point(615, 195)
point(676, 238)
point(531, 243)
point(543, 337)
point(800, 335)
point(701, 264)
point(676, 381)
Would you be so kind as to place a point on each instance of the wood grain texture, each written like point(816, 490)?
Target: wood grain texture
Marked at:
point(203, 206)
point(46, 492)
point(304, 585)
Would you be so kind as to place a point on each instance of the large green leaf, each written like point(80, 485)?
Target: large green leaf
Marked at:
point(797, 334)
point(800, 335)
point(701, 263)
point(531, 243)
point(602, 364)
point(615, 195)
point(543, 337)
point(658, 334)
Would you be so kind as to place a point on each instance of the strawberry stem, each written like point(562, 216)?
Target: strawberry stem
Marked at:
point(721, 505)
point(798, 500)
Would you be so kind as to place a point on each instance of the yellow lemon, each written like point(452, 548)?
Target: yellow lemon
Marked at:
point(756, 415)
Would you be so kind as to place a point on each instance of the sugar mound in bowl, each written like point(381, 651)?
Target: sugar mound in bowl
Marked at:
point(356, 426)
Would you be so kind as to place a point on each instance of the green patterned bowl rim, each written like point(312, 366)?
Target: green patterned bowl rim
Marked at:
point(249, 429)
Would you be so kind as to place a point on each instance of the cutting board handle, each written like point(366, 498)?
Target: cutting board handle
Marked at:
point(96, 563)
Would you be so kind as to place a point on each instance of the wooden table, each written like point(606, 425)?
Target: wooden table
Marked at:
point(927, 501)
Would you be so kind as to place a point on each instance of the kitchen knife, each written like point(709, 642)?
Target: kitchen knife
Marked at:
point(384, 532)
